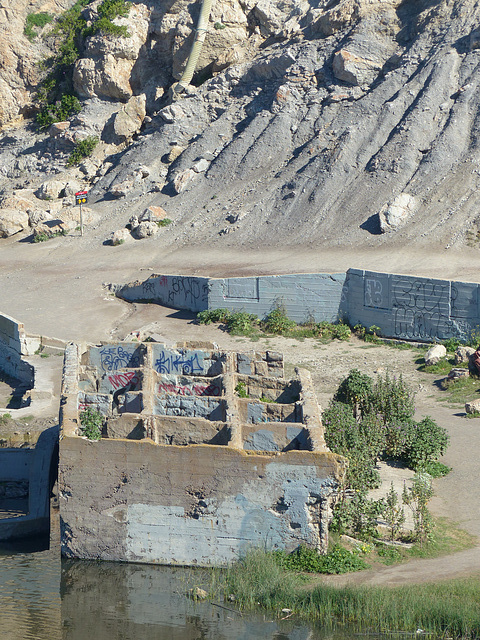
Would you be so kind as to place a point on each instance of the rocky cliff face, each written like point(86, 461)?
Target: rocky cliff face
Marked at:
point(339, 122)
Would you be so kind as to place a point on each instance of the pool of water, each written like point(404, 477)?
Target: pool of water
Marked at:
point(45, 598)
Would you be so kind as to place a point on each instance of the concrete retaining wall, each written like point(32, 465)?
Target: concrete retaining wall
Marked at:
point(14, 345)
point(199, 504)
point(407, 307)
point(15, 464)
point(37, 521)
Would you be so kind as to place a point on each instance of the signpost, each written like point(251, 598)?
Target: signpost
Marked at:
point(81, 198)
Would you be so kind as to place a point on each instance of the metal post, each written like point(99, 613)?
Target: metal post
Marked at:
point(81, 220)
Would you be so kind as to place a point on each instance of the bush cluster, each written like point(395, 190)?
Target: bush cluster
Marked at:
point(367, 420)
point(70, 30)
point(338, 560)
point(83, 149)
point(91, 422)
point(36, 21)
point(276, 322)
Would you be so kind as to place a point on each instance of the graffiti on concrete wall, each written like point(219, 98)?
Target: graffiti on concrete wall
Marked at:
point(121, 380)
point(187, 363)
point(420, 308)
point(119, 357)
point(190, 390)
point(182, 291)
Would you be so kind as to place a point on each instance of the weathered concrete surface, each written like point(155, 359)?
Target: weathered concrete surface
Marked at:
point(172, 482)
point(38, 518)
point(200, 504)
point(411, 307)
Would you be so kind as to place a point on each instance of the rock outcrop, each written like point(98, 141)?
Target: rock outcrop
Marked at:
point(308, 118)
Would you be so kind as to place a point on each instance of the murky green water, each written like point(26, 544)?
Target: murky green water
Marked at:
point(44, 598)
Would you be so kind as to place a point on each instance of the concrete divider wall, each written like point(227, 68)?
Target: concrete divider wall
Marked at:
point(408, 307)
point(305, 296)
point(15, 464)
point(13, 345)
point(179, 292)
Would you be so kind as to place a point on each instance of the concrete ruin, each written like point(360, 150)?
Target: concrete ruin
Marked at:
point(204, 453)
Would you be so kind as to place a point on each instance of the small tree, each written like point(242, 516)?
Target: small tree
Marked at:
point(393, 513)
point(417, 497)
point(356, 391)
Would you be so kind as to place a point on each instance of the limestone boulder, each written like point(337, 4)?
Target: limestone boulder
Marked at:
point(435, 354)
point(37, 216)
point(458, 372)
point(50, 190)
point(106, 69)
point(462, 354)
point(396, 213)
point(120, 189)
point(153, 214)
point(120, 237)
point(12, 221)
point(182, 179)
point(473, 406)
point(144, 230)
point(129, 119)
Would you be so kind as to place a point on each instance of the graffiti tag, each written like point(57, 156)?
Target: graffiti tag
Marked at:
point(113, 358)
point(178, 364)
point(194, 390)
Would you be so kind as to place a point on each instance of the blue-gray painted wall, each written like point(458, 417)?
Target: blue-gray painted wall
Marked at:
point(408, 307)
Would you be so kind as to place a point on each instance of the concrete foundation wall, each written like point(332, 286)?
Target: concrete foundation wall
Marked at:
point(15, 464)
point(13, 345)
point(408, 307)
point(179, 292)
point(200, 504)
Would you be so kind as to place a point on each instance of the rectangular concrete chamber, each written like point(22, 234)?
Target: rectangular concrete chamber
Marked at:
point(204, 454)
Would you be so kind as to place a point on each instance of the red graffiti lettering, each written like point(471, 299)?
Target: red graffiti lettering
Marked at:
point(195, 390)
point(120, 380)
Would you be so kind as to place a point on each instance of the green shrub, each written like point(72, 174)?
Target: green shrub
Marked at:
point(164, 223)
point(427, 443)
point(338, 560)
point(213, 315)
point(392, 399)
point(277, 322)
point(241, 323)
point(417, 498)
point(83, 149)
point(371, 334)
point(61, 110)
point(38, 20)
point(241, 390)
point(357, 516)
point(355, 390)
point(91, 422)
point(434, 468)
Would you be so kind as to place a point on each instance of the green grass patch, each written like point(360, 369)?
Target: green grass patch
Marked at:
point(442, 367)
point(457, 392)
point(274, 323)
point(442, 610)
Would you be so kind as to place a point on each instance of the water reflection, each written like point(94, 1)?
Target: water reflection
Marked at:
point(30, 605)
point(144, 602)
point(42, 598)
